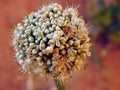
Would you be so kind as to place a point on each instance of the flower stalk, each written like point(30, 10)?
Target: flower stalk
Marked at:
point(30, 82)
point(60, 85)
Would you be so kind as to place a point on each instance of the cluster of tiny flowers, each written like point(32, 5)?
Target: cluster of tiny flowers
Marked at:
point(53, 42)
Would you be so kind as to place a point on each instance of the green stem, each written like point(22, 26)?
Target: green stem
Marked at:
point(60, 85)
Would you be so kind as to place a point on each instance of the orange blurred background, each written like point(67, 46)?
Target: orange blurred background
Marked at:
point(105, 75)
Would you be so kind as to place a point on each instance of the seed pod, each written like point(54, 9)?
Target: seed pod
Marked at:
point(76, 43)
point(59, 13)
point(63, 52)
point(51, 14)
point(44, 39)
point(62, 47)
point(71, 42)
point(47, 23)
point(34, 51)
point(38, 59)
point(63, 40)
point(31, 39)
point(32, 45)
point(66, 45)
point(20, 62)
point(40, 53)
point(49, 36)
point(28, 61)
point(58, 28)
point(48, 62)
point(46, 31)
point(51, 42)
point(55, 9)
point(57, 44)
point(20, 27)
point(53, 26)
point(36, 41)
point(49, 49)
point(40, 33)
point(42, 45)
point(51, 29)
point(20, 56)
point(56, 15)
point(27, 32)
point(50, 68)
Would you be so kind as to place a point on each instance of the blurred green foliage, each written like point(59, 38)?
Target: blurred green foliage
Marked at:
point(107, 19)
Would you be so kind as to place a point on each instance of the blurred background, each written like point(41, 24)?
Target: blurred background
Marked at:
point(103, 70)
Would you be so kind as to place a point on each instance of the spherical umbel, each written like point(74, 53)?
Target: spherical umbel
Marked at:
point(53, 42)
